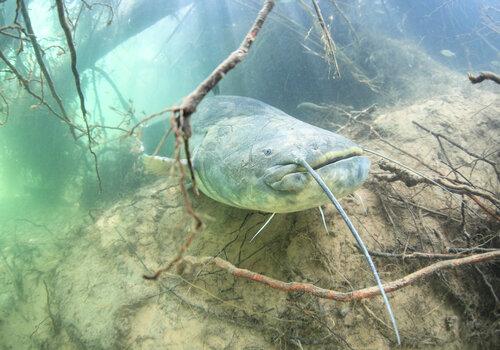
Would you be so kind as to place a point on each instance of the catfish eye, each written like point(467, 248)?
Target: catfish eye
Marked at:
point(267, 152)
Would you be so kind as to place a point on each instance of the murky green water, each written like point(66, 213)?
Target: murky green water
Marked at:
point(77, 234)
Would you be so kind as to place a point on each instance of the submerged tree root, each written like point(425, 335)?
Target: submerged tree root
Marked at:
point(190, 263)
point(411, 180)
point(483, 76)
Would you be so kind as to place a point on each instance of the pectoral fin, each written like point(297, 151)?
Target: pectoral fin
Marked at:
point(160, 166)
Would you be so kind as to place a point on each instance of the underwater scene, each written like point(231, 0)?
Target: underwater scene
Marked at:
point(249, 174)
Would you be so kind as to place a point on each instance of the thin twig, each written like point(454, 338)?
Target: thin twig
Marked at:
point(349, 24)
point(162, 141)
point(98, 104)
point(470, 250)
point(148, 118)
point(6, 111)
point(26, 85)
point(430, 211)
point(472, 154)
point(111, 13)
point(330, 48)
point(125, 105)
point(187, 203)
point(488, 284)
point(55, 322)
point(416, 255)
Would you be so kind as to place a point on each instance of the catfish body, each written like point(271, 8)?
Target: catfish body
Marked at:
point(246, 154)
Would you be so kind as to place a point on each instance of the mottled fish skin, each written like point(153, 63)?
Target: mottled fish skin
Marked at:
point(245, 154)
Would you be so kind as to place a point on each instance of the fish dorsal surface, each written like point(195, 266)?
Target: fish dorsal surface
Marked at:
point(215, 109)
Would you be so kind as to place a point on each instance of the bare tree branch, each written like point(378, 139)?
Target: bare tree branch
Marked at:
point(38, 54)
point(411, 180)
point(484, 76)
point(349, 24)
point(25, 83)
point(182, 128)
point(472, 154)
point(416, 255)
point(67, 32)
point(190, 262)
point(5, 110)
point(326, 37)
point(191, 102)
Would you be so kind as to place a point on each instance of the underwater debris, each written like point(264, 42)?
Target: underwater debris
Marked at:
point(447, 53)
point(484, 76)
point(326, 36)
point(71, 46)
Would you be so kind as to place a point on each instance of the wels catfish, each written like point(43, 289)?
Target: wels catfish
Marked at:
point(250, 155)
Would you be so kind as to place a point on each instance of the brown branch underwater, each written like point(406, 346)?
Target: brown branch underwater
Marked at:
point(191, 102)
point(67, 32)
point(189, 262)
point(26, 85)
point(439, 136)
point(411, 180)
point(187, 204)
point(38, 54)
point(483, 76)
point(326, 37)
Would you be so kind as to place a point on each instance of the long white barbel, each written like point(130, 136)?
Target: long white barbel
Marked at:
point(361, 245)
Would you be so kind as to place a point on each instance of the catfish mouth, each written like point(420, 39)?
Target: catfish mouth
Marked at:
point(293, 176)
point(334, 157)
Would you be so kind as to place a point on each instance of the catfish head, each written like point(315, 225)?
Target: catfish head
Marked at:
point(255, 162)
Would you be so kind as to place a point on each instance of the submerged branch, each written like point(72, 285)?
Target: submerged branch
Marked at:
point(7, 112)
point(411, 180)
point(148, 118)
point(439, 136)
point(326, 37)
point(416, 255)
point(67, 32)
point(38, 54)
point(484, 76)
point(182, 127)
point(69, 40)
point(125, 105)
point(26, 85)
point(319, 292)
point(348, 22)
point(187, 203)
point(191, 102)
